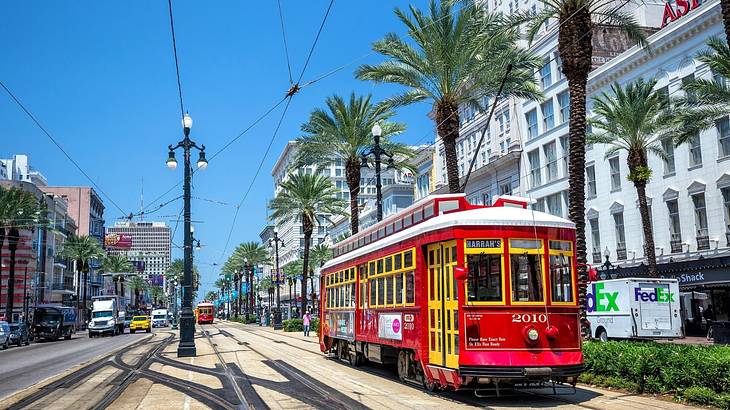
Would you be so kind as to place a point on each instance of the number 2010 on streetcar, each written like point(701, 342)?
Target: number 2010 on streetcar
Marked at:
point(457, 295)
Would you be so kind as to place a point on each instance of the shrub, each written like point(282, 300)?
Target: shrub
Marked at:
point(293, 325)
point(700, 395)
point(314, 326)
point(658, 367)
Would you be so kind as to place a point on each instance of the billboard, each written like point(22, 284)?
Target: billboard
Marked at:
point(118, 241)
point(156, 280)
point(138, 265)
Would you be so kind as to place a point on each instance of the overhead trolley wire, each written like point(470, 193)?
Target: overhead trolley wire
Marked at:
point(177, 64)
point(58, 145)
point(286, 48)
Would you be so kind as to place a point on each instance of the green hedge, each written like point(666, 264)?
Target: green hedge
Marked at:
point(297, 325)
point(695, 373)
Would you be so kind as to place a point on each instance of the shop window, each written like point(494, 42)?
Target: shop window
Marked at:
point(484, 282)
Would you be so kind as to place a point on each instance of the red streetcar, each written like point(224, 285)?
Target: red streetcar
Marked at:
point(458, 295)
point(204, 312)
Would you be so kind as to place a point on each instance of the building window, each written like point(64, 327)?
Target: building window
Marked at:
point(546, 76)
point(703, 238)
point(591, 181)
point(675, 231)
point(548, 116)
point(531, 118)
point(554, 204)
point(726, 211)
point(695, 151)
point(534, 159)
point(564, 101)
point(618, 221)
point(565, 146)
point(668, 147)
point(551, 159)
point(615, 173)
point(723, 135)
point(691, 97)
point(558, 66)
point(595, 239)
point(505, 189)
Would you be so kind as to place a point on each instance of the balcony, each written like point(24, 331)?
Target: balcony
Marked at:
point(621, 252)
point(63, 286)
point(596, 256)
point(703, 240)
point(675, 244)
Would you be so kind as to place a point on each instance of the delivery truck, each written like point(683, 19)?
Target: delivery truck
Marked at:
point(51, 322)
point(634, 308)
point(106, 318)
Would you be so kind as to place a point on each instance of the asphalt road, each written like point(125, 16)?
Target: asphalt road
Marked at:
point(23, 366)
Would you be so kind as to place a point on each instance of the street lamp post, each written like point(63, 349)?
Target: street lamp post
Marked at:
point(247, 278)
point(174, 304)
point(275, 241)
point(377, 152)
point(607, 265)
point(186, 347)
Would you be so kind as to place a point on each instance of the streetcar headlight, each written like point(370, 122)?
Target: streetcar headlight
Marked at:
point(532, 335)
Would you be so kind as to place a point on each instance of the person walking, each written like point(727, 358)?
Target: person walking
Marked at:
point(306, 321)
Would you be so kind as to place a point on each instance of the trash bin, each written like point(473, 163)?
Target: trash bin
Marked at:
point(721, 333)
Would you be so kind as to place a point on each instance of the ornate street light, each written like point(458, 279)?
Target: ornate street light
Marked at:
point(377, 152)
point(274, 243)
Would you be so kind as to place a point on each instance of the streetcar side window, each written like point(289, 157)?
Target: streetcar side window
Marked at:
point(373, 292)
point(389, 290)
point(484, 282)
point(408, 259)
point(352, 295)
point(381, 291)
point(399, 289)
point(526, 278)
point(410, 287)
point(561, 278)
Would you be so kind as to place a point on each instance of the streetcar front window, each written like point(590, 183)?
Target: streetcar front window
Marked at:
point(561, 280)
point(526, 278)
point(485, 278)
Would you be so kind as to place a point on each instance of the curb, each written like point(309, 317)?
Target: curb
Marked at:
point(22, 394)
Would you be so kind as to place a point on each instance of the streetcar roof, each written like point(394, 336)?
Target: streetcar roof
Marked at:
point(480, 216)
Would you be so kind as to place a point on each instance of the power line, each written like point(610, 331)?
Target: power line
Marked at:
point(316, 39)
point(55, 142)
point(286, 48)
point(177, 65)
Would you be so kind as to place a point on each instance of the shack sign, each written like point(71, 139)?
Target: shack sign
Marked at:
point(678, 8)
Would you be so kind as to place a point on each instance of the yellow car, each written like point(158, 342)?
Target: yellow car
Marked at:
point(140, 323)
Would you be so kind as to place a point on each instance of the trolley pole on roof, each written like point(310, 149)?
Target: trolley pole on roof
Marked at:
point(274, 242)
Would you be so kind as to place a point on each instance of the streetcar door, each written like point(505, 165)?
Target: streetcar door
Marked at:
point(443, 306)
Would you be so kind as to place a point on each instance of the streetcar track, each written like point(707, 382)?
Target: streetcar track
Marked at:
point(388, 374)
point(328, 397)
point(231, 377)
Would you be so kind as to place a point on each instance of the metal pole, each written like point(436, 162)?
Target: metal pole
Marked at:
point(378, 184)
point(186, 347)
point(25, 295)
point(277, 312)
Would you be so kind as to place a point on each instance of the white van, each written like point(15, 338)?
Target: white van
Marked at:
point(634, 308)
point(159, 318)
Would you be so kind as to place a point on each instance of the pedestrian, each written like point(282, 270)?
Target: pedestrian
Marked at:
point(306, 321)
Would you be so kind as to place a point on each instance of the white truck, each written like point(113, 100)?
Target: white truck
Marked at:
point(634, 308)
point(159, 318)
point(105, 316)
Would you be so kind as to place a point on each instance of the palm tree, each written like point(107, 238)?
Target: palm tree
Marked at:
point(19, 210)
point(292, 273)
point(211, 296)
point(81, 249)
point(343, 131)
point(707, 100)
point(116, 266)
point(635, 119)
point(155, 294)
point(305, 197)
point(576, 21)
point(137, 285)
point(248, 255)
point(460, 56)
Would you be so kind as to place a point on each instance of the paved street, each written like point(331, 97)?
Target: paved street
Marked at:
point(246, 366)
point(26, 365)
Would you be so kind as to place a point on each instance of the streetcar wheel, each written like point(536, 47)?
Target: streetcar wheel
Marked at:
point(403, 365)
point(354, 359)
point(431, 386)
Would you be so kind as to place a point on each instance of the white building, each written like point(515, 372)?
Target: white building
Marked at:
point(18, 168)
point(150, 246)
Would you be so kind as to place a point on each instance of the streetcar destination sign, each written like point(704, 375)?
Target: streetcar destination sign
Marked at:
point(483, 243)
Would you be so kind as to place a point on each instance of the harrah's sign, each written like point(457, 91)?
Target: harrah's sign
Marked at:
point(673, 11)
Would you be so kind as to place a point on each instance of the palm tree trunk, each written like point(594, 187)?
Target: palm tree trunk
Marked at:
point(447, 121)
point(576, 48)
point(725, 7)
point(115, 279)
point(352, 171)
point(308, 229)
point(649, 250)
point(13, 239)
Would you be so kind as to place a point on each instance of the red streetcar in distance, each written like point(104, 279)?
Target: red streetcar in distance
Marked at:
point(204, 312)
point(459, 296)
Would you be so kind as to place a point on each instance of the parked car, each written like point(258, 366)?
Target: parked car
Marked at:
point(19, 334)
point(140, 323)
point(4, 335)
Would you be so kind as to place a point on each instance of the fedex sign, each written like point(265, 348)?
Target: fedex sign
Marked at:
point(678, 8)
point(659, 295)
point(600, 300)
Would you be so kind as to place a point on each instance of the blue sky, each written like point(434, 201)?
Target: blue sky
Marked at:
point(100, 76)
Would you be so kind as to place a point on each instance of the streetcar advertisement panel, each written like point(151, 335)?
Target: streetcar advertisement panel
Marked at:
point(340, 325)
point(390, 326)
point(507, 331)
